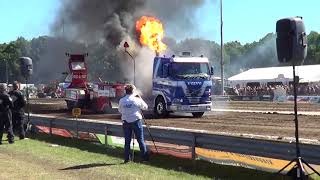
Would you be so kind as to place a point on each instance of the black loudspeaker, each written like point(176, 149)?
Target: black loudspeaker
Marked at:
point(291, 41)
point(26, 66)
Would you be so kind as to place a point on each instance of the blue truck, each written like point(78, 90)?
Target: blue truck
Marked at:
point(181, 84)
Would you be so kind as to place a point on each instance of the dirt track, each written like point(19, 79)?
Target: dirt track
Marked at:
point(265, 105)
point(270, 124)
point(38, 105)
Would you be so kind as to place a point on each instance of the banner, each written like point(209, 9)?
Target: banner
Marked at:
point(247, 161)
point(310, 99)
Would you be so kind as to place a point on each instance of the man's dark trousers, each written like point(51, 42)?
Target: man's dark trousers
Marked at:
point(18, 112)
point(137, 128)
point(18, 123)
point(6, 124)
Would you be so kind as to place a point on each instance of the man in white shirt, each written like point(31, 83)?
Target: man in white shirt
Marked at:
point(130, 108)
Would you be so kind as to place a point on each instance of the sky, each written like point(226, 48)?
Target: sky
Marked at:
point(26, 18)
point(244, 20)
point(250, 20)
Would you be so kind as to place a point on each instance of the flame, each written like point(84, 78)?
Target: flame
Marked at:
point(151, 33)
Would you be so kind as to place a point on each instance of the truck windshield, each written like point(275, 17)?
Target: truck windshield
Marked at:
point(189, 70)
point(78, 66)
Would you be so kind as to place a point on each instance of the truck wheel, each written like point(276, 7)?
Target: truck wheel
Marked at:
point(160, 109)
point(197, 114)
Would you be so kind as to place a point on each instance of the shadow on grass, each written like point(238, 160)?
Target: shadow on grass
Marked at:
point(87, 166)
point(201, 168)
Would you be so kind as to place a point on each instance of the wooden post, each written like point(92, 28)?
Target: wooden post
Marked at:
point(50, 128)
point(77, 126)
point(106, 136)
point(194, 143)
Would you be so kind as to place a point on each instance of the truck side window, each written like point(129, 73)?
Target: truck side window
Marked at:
point(159, 72)
point(165, 70)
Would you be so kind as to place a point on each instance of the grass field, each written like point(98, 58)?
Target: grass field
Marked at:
point(45, 157)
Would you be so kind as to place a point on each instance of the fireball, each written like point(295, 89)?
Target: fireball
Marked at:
point(151, 33)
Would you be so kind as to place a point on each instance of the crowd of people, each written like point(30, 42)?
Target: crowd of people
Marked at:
point(302, 90)
point(12, 112)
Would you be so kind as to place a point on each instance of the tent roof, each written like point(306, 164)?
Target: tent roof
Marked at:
point(308, 73)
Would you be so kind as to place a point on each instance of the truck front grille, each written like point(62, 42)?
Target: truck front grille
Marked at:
point(193, 93)
point(194, 100)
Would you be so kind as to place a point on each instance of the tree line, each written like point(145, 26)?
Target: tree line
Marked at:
point(48, 54)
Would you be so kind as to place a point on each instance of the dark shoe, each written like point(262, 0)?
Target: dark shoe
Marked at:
point(126, 161)
point(11, 142)
point(0, 143)
point(145, 160)
point(21, 137)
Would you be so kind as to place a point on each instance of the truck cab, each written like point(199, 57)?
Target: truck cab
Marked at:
point(181, 84)
point(77, 93)
point(80, 93)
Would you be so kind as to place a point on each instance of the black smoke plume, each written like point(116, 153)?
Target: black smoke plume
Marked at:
point(108, 23)
point(113, 20)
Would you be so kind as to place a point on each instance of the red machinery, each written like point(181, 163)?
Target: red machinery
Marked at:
point(94, 96)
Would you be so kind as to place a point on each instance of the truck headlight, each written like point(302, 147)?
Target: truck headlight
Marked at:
point(174, 108)
point(207, 92)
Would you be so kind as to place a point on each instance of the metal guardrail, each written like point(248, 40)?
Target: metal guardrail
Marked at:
point(241, 98)
point(187, 137)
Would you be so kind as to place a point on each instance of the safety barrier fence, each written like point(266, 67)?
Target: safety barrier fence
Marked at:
point(242, 98)
point(196, 139)
point(311, 99)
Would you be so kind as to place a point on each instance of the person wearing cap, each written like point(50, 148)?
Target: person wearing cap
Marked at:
point(130, 107)
point(19, 103)
point(5, 114)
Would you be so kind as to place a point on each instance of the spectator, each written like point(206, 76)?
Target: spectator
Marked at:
point(130, 108)
point(302, 90)
point(19, 103)
point(5, 114)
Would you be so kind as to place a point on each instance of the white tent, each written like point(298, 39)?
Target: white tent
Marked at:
point(308, 73)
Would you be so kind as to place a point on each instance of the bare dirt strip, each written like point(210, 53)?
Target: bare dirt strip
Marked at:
point(265, 105)
point(241, 123)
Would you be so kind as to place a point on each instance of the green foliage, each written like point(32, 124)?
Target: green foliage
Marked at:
point(313, 56)
point(104, 62)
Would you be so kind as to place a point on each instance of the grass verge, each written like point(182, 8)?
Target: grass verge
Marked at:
point(46, 157)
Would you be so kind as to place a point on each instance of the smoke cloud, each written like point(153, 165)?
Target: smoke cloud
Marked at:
point(96, 20)
point(53, 61)
point(264, 54)
point(110, 23)
point(178, 16)
point(109, 20)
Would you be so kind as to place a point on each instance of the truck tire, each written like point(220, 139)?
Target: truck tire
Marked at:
point(160, 109)
point(197, 114)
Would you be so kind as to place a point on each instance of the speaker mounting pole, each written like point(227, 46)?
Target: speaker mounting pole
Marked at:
point(221, 50)
point(28, 103)
point(7, 72)
point(295, 81)
point(26, 68)
point(298, 169)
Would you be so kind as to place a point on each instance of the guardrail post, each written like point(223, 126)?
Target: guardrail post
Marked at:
point(106, 136)
point(50, 128)
point(193, 148)
point(77, 128)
